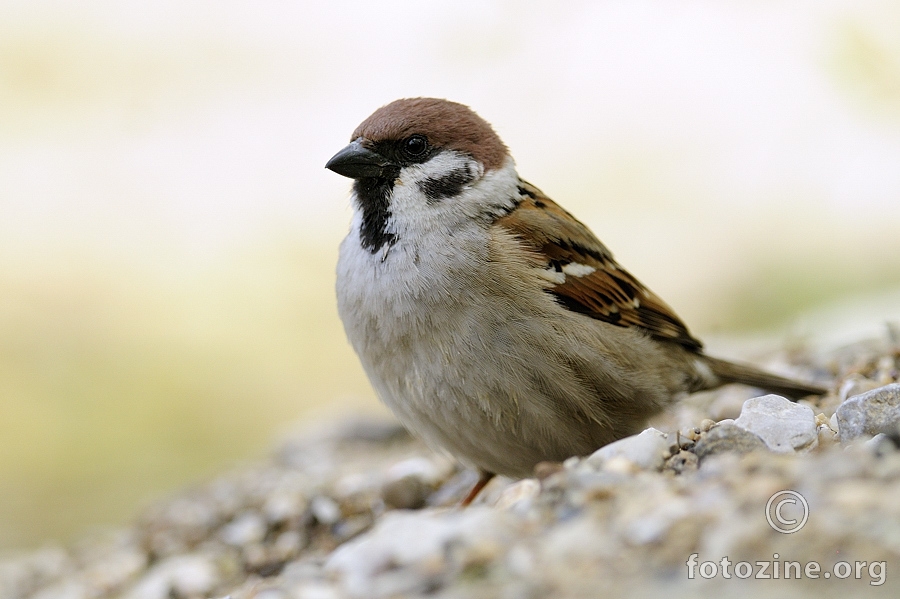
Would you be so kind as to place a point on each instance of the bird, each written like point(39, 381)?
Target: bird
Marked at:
point(494, 324)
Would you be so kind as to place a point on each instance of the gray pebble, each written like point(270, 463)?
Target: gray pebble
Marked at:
point(406, 493)
point(783, 425)
point(245, 529)
point(869, 413)
point(683, 461)
point(728, 438)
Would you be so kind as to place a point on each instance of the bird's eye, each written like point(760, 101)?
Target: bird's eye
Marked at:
point(415, 145)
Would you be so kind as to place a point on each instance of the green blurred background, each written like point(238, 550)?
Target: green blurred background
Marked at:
point(168, 233)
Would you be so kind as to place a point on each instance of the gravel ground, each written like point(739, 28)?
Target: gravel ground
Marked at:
point(730, 493)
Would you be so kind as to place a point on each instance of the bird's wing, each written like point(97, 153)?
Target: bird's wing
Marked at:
point(582, 273)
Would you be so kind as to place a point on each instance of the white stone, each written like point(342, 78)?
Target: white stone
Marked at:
point(282, 505)
point(245, 529)
point(404, 541)
point(325, 509)
point(646, 450)
point(181, 576)
point(783, 425)
point(519, 493)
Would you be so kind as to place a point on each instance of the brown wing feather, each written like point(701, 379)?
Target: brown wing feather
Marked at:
point(594, 284)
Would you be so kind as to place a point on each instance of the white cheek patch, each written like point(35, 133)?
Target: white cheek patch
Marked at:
point(415, 214)
point(408, 199)
point(436, 168)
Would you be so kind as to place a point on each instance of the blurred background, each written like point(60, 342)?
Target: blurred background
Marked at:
point(168, 233)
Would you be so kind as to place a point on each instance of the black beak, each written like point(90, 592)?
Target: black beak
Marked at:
point(356, 162)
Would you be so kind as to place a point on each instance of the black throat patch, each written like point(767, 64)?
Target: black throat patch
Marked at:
point(447, 186)
point(373, 196)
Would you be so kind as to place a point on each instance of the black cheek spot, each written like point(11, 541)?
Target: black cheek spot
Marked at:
point(451, 184)
point(539, 204)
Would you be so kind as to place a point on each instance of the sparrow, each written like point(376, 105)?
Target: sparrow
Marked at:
point(492, 322)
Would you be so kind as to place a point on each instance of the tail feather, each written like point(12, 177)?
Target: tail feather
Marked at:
point(730, 372)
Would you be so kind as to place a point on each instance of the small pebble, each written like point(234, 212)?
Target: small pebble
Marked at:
point(325, 509)
point(407, 493)
point(245, 529)
point(683, 461)
point(282, 506)
point(518, 493)
point(179, 576)
point(288, 544)
point(728, 437)
point(646, 450)
point(827, 436)
point(783, 425)
point(870, 413)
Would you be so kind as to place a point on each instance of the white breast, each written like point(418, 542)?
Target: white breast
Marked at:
point(435, 260)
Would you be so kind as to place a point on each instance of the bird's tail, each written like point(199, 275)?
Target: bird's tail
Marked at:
point(730, 372)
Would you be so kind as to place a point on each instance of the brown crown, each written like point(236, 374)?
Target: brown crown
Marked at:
point(446, 125)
